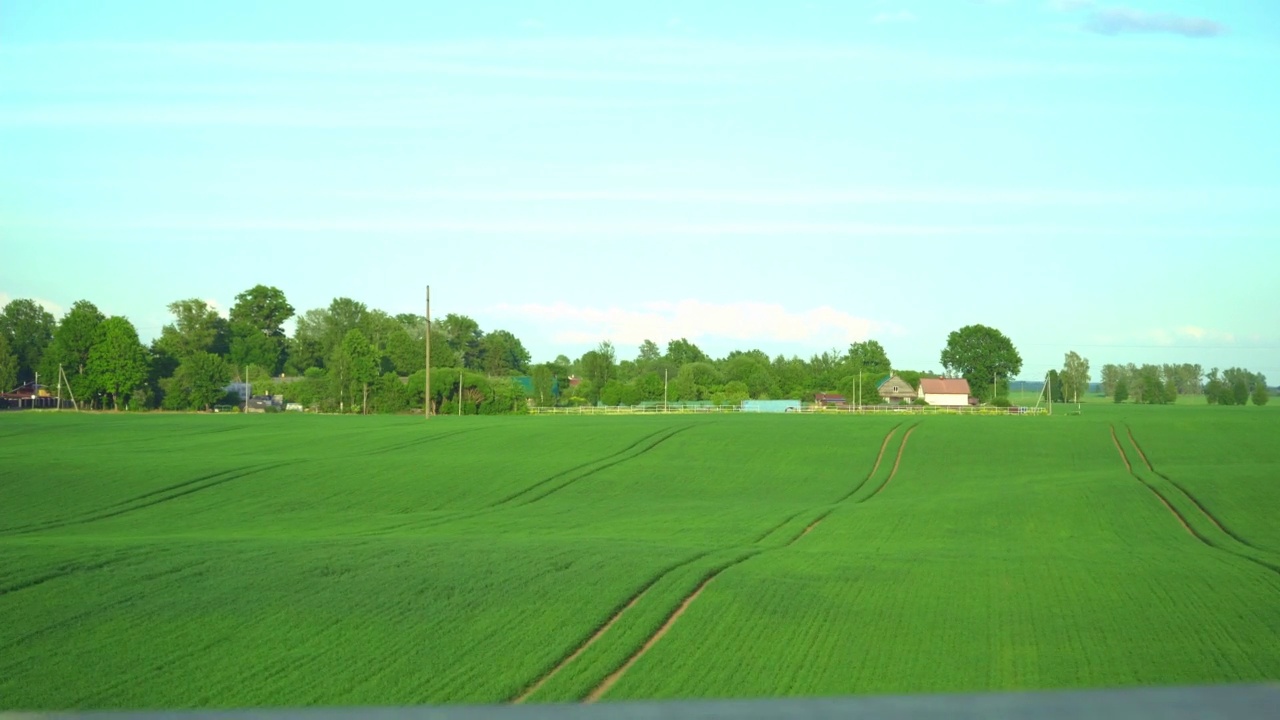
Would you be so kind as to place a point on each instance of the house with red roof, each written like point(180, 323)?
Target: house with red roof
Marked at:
point(945, 392)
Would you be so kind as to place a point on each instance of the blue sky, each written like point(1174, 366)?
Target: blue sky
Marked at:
point(1103, 177)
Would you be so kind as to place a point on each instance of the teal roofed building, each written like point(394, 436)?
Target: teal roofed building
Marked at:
point(894, 390)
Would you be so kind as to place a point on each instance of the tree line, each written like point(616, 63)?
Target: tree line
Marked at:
point(347, 357)
point(1161, 384)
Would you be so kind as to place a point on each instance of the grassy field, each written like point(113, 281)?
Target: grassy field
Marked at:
point(227, 561)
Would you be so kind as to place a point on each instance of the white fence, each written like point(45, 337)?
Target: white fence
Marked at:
point(806, 410)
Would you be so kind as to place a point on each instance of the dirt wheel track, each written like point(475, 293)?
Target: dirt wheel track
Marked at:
point(613, 678)
point(522, 697)
point(896, 462)
point(1129, 467)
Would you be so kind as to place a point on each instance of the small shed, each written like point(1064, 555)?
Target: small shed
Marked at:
point(829, 400)
point(946, 392)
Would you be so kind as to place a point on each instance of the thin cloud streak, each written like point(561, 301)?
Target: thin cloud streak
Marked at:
point(1120, 20)
point(695, 320)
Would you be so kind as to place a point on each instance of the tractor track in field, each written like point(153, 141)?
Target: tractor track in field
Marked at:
point(776, 528)
point(896, 462)
point(600, 465)
point(808, 529)
point(1181, 518)
point(879, 457)
point(612, 679)
point(1128, 466)
point(1187, 493)
point(228, 476)
point(65, 571)
point(420, 441)
point(613, 619)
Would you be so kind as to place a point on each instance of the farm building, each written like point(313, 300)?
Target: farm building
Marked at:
point(947, 392)
point(771, 406)
point(895, 390)
point(825, 400)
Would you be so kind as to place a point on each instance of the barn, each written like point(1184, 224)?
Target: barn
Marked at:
point(946, 392)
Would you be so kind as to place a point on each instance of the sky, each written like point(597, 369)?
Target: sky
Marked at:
point(790, 176)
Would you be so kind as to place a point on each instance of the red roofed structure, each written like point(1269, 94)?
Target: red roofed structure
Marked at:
point(947, 392)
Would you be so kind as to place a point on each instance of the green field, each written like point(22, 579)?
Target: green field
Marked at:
point(188, 561)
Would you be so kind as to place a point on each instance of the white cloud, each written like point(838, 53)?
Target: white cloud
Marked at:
point(893, 16)
point(51, 307)
point(1118, 20)
point(696, 320)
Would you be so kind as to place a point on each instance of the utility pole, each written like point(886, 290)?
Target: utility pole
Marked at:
point(59, 386)
point(665, 380)
point(459, 393)
point(426, 387)
point(247, 393)
point(35, 391)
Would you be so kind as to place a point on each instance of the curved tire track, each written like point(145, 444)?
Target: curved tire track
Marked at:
point(1194, 501)
point(606, 465)
point(152, 503)
point(613, 619)
point(1181, 518)
point(897, 461)
point(612, 679)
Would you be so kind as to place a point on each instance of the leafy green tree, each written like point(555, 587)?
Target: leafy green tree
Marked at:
point(648, 387)
point(390, 394)
point(649, 353)
point(869, 357)
point(354, 364)
point(463, 337)
point(1074, 376)
point(1056, 387)
point(980, 353)
point(598, 368)
point(1260, 392)
point(682, 352)
point(72, 342)
point(197, 328)
point(695, 381)
point(1120, 392)
point(8, 366)
point(1153, 390)
point(543, 385)
point(502, 353)
point(1111, 375)
point(28, 328)
point(118, 363)
point(198, 382)
point(257, 328)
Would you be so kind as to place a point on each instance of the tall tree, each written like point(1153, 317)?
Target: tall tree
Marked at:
point(649, 353)
point(257, 328)
point(598, 368)
point(979, 354)
point(502, 352)
point(354, 364)
point(198, 382)
point(29, 329)
point(869, 357)
point(682, 352)
point(1074, 376)
point(8, 366)
point(463, 336)
point(197, 328)
point(118, 362)
point(72, 343)
point(1261, 394)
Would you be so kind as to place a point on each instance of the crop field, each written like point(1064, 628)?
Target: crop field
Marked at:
point(216, 561)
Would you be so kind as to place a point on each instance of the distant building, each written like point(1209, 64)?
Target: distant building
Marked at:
point(265, 403)
point(28, 396)
point(826, 400)
point(945, 392)
point(771, 406)
point(895, 390)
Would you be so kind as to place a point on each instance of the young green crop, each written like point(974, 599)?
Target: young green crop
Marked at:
point(229, 561)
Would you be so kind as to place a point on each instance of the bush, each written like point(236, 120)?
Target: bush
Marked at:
point(1001, 402)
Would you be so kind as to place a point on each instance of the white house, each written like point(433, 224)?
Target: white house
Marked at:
point(947, 392)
